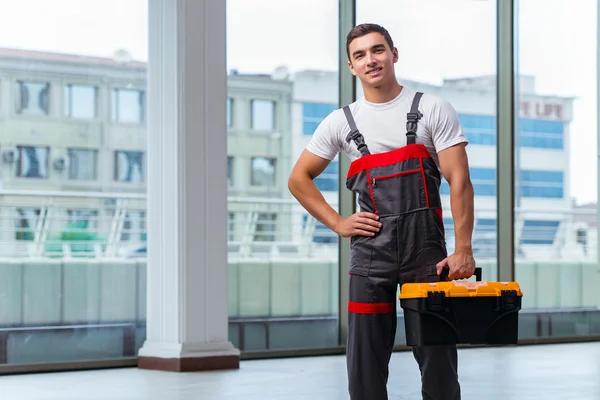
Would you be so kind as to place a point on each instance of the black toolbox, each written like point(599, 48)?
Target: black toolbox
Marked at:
point(461, 312)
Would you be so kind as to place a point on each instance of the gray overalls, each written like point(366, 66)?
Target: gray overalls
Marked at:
point(402, 187)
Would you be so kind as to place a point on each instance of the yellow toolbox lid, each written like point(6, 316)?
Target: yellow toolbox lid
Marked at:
point(458, 289)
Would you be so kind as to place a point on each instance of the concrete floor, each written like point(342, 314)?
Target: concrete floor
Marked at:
point(570, 371)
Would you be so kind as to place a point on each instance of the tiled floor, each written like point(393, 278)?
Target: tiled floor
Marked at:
point(556, 372)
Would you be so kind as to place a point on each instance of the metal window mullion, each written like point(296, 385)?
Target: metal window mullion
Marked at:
point(347, 94)
point(598, 124)
point(505, 171)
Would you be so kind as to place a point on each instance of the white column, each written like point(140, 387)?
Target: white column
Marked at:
point(187, 320)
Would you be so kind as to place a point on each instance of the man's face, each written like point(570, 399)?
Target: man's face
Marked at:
point(371, 59)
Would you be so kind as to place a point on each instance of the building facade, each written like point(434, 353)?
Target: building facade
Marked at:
point(78, 124)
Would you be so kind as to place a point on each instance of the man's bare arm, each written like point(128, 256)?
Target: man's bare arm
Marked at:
point(455, 167)
point(302, 187)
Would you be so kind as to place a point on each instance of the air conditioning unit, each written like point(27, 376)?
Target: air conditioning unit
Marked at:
point(60, 164)
point(9, 156)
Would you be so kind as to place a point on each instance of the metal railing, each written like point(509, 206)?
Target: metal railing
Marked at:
point(68, 225)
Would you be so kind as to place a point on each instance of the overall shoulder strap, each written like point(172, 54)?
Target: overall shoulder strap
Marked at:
point(412, 118)
point(355, 134)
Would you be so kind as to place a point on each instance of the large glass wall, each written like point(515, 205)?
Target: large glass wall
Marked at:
point(283, 265)
point(556, 171)
point(72, 180)
point(448, 50)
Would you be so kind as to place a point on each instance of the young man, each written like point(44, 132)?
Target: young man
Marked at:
point(400, 143)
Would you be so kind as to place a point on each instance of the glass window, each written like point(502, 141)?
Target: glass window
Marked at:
point(83, 164)
point(556, 229)
point(229, 112)
point(81, 101)
point(263, 171)
point(74, 289)
point(312, 115)
point(127, 105)
point(32, 162)
point(32, 97)
point(282, 276)
point(230, 170)
point(263, 115)
point(329, 178)
point(26, 222)
point(129, 166)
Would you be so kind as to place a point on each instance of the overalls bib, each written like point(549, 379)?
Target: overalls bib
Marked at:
point(402, 187)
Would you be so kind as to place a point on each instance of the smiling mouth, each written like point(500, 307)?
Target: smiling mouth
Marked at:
point(374, 71)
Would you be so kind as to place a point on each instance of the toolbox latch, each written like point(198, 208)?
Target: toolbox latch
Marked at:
point(507, 300)
point(436, 301)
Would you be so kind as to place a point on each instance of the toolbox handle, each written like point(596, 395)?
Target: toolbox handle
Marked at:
point(446, 271)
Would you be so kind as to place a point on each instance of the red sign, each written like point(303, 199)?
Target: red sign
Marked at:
point(538, 109)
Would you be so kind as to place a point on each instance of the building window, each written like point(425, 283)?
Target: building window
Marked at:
point(32, 97)
point(313, 114)
point(480, 129)
point(134, 227)
point(328, 180)
point(483, 179)
point(229, 110)
point(230, 227)
point(127, 105)
point(230, 170)
point(26, 222)
point(539, 232)
point(32, 162)
point(82, 164)
point(263, 115)
point(82, 221)
point(266, 227)
point(262, 171)
point(81, 101)
point(129, 166)
point(548, 184)
point(541, 134)
point(533, 133)
point(321, 233)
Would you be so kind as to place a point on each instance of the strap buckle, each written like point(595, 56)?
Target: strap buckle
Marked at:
point(354, 135)
point(414, 116)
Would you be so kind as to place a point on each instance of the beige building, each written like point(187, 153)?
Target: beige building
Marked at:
point(77, 124)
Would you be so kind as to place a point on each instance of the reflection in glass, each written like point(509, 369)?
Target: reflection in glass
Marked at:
point(72, 249)
point(556, 208)
point(283, 292)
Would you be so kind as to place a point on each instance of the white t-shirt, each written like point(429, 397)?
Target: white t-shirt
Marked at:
point(383, 125)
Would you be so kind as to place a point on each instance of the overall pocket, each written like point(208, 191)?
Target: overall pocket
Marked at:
point(398, 193)
point(361, 253)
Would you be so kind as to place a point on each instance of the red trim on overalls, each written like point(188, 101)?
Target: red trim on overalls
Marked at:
point(370, 308)
point(371, 195)
point(389, 158)
point(424, 183)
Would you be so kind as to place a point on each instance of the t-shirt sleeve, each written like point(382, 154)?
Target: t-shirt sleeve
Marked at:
point(446, 129)
point(325, 140)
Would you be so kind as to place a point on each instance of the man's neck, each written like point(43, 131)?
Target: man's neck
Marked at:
point(382, 94)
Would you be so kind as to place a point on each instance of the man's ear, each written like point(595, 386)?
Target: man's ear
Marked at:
point(395, 53)
point(351, 68)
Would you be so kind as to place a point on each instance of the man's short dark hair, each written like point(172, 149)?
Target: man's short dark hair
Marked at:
point(364, 29)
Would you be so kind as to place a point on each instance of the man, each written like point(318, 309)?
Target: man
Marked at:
point(400, 142)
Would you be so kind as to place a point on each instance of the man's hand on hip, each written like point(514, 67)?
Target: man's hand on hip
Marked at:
point(461, 265)
point(361, 223)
